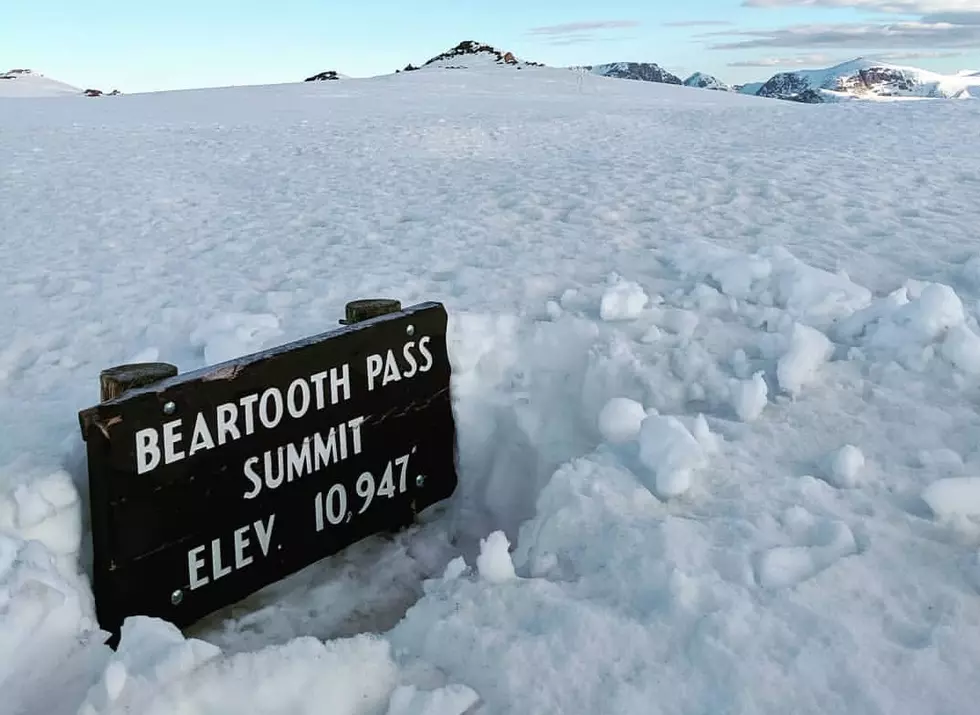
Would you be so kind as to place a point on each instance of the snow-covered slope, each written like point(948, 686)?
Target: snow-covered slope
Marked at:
point(27, 83)
point(716, 375)
point(748, 88)
point(643, 71)
point(866, 79)
point(706, 81)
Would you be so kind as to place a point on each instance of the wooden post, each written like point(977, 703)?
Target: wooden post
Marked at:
point(114, 381)
point(359, 310)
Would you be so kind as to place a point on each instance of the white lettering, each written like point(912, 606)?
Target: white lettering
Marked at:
point(317, 381)
point(299, 462)
point(426, 354)
point(227, 419)
point(275, 396)
point(252, 477)
point(265, 534)
point(170, 439)
point(147, 450)
point(193, 564)
point(355, 425)
point(216, 568)
point(201, 438)
point(374, 366)
point(241, 541)
point(274, 481)
point(298, 410)
point(391, 369)
point(410, 359)
point(248, 402)
point(324, 452)
point(337, 382)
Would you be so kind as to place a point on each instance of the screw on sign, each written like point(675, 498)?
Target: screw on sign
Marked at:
point(210, 485)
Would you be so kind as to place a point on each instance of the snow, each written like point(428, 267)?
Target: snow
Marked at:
point(745, 485)
point(954, 496)
point(927, 84)
point(494, 561)
point(620, 419)
point(845, 465)
point(28, 84)
point(623, 300)
point(808, 350)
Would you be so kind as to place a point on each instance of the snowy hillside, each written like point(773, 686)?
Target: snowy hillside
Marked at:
point(26, 83)
point(706, 81)
point(642, 71)
point(716, 377)
point(867, 79)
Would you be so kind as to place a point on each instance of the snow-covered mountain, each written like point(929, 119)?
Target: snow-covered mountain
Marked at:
point(27, 83)
point(470, 54)
point(642, 71)
point(706, 81)
point(326, 76)
point(864, 78)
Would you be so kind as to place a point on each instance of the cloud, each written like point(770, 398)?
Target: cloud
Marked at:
point(699, 23)
point(901, 56)
point(576, 28)
point(817, 60)
point(901, 7)
point(955, 18)
point(899, 35)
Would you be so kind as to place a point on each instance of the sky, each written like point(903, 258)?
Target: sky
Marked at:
point(137, 45)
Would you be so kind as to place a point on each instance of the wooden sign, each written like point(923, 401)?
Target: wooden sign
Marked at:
point(207, 486)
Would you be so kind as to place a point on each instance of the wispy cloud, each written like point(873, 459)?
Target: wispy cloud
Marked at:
point(899, 35)
point(904, 56)
point(902, 7)
point(573, 28)
point(699, 23)
point(798, 61)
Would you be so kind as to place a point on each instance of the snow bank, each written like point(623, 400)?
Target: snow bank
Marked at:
point(639, 501)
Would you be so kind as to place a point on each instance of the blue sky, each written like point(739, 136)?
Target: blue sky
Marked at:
point(144, 45)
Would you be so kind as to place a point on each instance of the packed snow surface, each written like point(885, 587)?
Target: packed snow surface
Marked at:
point(716, 371)
point(29, 84)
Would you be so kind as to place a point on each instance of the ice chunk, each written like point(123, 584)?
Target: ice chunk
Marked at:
point(450, 700)
point(750, 397)
point(671, 452)
point(962, 349)
point(623, 300)
point(808, 350)
point(494, 562)
point(844, 466)
point(620, 419)
point(954, 496)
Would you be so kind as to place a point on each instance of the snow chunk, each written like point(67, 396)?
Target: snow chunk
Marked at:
point(494, 562)
point(787, 566)
point(671, 452)
point(450, 700)
point(844, 466)
point(750, 397)
point(808, 350)
point(623, 300)
point(962, 349)
point(954, 496)
point(620, 419)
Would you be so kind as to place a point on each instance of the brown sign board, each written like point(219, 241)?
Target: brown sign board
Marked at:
point(207, 486)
